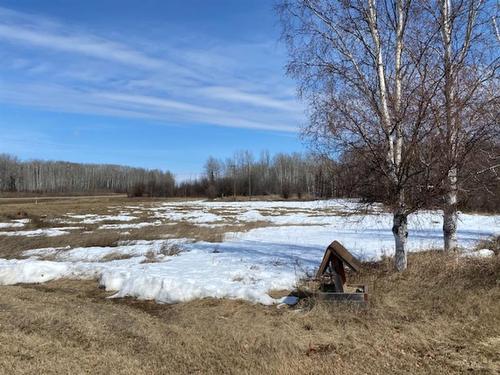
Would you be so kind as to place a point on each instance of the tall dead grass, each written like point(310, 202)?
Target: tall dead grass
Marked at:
point(441, 316)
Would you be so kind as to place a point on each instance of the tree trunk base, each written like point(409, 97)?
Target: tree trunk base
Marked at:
point(400, 231)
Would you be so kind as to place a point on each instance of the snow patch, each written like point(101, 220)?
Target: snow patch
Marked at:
point(49, 232)
point(11, 225)
point(245, 265)
point(93, 218)
point(130, 226)
point(31, 271)
point(481, 253)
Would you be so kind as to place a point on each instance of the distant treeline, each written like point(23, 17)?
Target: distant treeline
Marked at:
point(288, 175)
point(56, 177)
point(293, 175)
point(313, 176)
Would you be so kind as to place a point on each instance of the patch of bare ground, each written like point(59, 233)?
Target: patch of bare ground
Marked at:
point(13, 247)
point(58, 207)
point(441, 316)
point(115, 256)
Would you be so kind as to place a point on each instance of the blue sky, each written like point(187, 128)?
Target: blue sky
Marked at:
point(158, 84)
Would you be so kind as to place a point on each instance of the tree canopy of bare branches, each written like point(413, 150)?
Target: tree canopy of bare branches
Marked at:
point(407, 88)
point(365, 69)
point(466, 110)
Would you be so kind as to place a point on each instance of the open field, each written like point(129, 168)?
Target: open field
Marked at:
point(440, 316)
point(180, 250)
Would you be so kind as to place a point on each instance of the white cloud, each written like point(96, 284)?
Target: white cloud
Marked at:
point(99, 48)
point(132, 106)
point(175, 83)
point(234, 95)
point(155, 102)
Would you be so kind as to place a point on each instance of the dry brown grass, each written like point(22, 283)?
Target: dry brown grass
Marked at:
point(441, 316)
point(58, 207)
point(167, 249)
point(46, 213)
point(170, 249)
point(115, 256)
point(12, 247)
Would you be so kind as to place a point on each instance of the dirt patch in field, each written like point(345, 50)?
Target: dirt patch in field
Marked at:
point(13, 247)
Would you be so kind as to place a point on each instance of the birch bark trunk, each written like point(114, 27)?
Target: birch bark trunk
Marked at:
point(450, 215)
point(400, 220)
point(392, 126)
point(400, 231)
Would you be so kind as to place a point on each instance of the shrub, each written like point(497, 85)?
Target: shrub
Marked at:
point(167, 249)
point(137, 190)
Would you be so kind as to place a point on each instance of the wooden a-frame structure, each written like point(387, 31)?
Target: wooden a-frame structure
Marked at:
point(331, 272)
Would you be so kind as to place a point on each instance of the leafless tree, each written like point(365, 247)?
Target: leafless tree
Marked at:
point(365, 67)
point(468, 55)
point(288, 175)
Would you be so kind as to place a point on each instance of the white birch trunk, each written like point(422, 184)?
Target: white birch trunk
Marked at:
point(450, 216)
point(400, 231)
point(400, 25)
point(393, 131)
point(400, 220)
point(450, 200)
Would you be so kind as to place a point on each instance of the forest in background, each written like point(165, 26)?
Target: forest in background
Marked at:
point(290, 176)
point(59, 177)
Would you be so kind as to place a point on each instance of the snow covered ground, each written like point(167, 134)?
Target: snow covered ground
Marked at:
point(49, 232)
point(246, 265)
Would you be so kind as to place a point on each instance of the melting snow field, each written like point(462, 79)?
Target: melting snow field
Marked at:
point(246, 265)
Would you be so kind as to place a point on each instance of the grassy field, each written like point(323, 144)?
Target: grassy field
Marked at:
point(441, 316)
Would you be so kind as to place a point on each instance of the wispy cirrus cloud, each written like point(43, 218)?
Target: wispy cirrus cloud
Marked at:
point(57, 67)
point(234, 95)
point(155, 102)
point(37, 31)
point(85, 45)
point(132, 106)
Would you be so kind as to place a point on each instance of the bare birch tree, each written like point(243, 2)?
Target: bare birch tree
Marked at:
point(363, 67)
point(469, 65)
